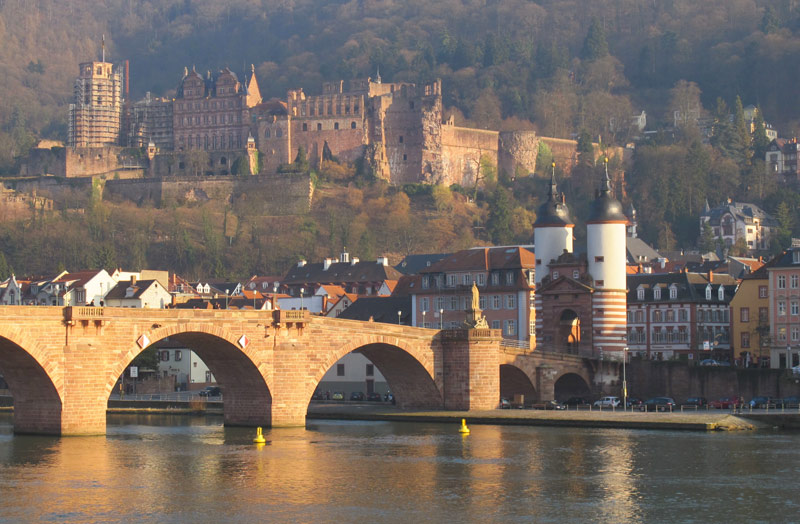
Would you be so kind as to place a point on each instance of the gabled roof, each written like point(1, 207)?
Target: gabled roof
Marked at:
point(79, 278)
point(486, 259)
point(120, 291)
point(639, 251)
point(380, 309)
point(341, 272)
point(413, 264)
point(785, 260)
point(690, 287)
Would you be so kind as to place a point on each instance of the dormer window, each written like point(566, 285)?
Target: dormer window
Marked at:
point(708, 292)
point(721, 293)
point(657, 293)
point(796, 256)
point(640, 293)
point(673, 291)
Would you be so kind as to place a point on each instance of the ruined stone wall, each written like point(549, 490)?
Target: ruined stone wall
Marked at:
point(279, 194)
point(173, 163)
point(274, 141)
point(401, 112)
point(67, 193)
point(83, 162)
point(565, 152)
point(462, 149)
point(344, 135)
point(517, 150)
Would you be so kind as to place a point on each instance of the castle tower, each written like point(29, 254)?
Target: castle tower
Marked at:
point(606, 234)
point(95, 116)
point(552, 236)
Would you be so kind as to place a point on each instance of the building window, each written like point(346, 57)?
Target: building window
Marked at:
point(794, 281)
point(339, 370)
point(423, 304)
point(762, 291)
point(466, 279)
point(683, 315)
point(781, 308)
point(782, 334)
point(319, 126)
point(440, 303)
point(763, 314)
point(511, 301)
point(495, 301)
point(495, 324)
point(352, 125)
point(555, 275)
point(510, 277)
point(657, 293)
point(426, 282)
point(640, 316)
point(673, 292)
point(670, 316)
point(794, 308)
point(599, 259)
point(451, 281)
point(795, 333)
point(781, 281)
point(721, 293)
point(708, 292)
point(178, 355)
point(481, 279)
point(576, 274)
point(656, 316)
point(640, 294)
point(453, 303)
point(796, 257)
point(401, 139)
point(510, 327)
point(482, 302)
point(744, 314)
point(370, 370)
point(336, 125)
point(165, 356)
point(495, 279)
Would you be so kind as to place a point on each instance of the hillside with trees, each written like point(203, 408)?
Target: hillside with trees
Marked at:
point(566, 68)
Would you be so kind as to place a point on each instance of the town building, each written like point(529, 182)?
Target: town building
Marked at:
point(135, 293)
point(680, 315)
point(505, 279)
point(732, 222)
point(750, 328)
point(350, 273)
point(783, 293)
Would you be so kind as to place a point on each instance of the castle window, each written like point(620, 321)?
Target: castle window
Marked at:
point(99, 70)
point(336, 125)
point(319, 127)
point(401, 139)
point(305, 127)
point(279, 132)
point(352, 125)
point(405, 157)
point(411, 104)
point(266, 133)
point(355, 109)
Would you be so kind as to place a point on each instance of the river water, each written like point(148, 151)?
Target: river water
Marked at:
point(164, 469)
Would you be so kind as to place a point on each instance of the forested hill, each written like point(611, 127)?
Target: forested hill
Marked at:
point(561, 67)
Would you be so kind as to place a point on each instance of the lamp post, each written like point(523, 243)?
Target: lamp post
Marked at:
point(441, 323)
point(624, 379)
point(423, 319)
point(302, 290)
point(399, 313)
point(227, 292)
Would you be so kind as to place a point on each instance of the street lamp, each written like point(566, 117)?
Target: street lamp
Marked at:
point(302, 290)
point(441, 314)
point(423, 319)
point(399, 313)
point(227, 292)
point(624, 379)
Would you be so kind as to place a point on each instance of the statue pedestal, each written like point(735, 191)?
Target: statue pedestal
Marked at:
point(475, 319)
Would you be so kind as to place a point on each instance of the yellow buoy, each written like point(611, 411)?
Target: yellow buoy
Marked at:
point(463, 429)
point(259, 437)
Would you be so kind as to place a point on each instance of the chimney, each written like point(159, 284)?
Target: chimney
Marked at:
point(354, 261)
point(133, 280)
point(327, 263)
point(302, 263)
point(710, 276)
point(383, 261)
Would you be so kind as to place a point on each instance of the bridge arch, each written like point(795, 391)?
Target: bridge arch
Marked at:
point(35, 382)
point(571, 384)
point(407, 368)
point(515, 381)
point(240, 372)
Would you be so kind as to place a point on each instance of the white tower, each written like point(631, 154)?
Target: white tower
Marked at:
point(552, 236)
point(605, 252)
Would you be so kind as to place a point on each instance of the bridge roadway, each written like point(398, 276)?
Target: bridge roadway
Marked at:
point(62, 363)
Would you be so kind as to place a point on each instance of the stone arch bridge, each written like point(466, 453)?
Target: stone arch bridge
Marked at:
point(62, 363)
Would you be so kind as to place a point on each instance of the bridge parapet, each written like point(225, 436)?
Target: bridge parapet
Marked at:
point(83, 313)
point(291, 316)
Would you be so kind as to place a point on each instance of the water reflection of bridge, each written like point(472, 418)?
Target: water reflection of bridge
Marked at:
point(62, 364)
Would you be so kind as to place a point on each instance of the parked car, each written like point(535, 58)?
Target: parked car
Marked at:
point(575, 401)
point(698, 402)
point(710, 362)
point(337, 395)
point(724, 403)
point(211, 391)
point(550, 405)
point(357, 396)
point(374, 397)
point(607, 402)
point(658, 404)
point(505, 403)
point(634, 402)
point(791, 402)
point(765, 402)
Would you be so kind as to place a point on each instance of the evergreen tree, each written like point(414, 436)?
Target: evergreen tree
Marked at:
point(707, 242)
point(595, 45)
point(741, 134)
point(770, 23)
point(499, 222)
point(5, 271)
point(760, 139)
